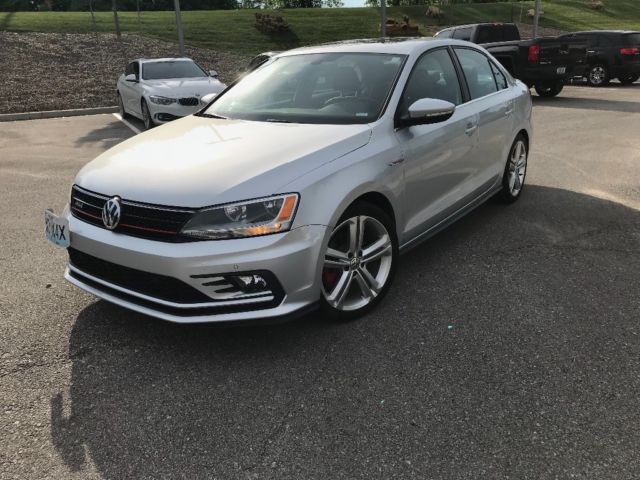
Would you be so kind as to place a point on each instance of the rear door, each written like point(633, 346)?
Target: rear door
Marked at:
point(492, 99)
point(437, 157)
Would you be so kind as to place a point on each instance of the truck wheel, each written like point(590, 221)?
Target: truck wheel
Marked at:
point(549, 90)
point(598, 76)
point(628, 79)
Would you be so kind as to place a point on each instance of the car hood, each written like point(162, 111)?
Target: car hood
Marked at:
point(184, 87)
point(199, 161)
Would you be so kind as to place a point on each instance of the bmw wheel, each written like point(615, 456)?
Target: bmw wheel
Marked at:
point(359, 262)
point(598, 76)
point(515, 171)
point(146, 116)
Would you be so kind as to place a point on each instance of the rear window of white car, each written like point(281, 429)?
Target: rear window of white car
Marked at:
point(171, 69)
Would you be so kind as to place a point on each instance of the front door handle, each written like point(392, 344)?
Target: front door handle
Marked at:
point(471, 127)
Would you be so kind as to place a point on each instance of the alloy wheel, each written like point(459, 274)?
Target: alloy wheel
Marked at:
point(146, 116)
point(357, 263)
point(517, 167)
point(597, 75)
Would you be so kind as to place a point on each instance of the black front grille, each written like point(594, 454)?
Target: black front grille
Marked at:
point(151, 284)
point(189, 101)
point(153, 222)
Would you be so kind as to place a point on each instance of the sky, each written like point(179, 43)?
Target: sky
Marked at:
point(353, 3)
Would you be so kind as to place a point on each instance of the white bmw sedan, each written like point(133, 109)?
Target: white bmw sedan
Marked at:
point(299, 186)
point(164, 89)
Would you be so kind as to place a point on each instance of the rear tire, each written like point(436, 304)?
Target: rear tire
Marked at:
point(628, 79)
point(515, 170)
point(359, 262)
point(146, 116)
point(549, 90)
point(598, 76)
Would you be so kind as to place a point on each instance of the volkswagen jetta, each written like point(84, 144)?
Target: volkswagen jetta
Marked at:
point(300, 185)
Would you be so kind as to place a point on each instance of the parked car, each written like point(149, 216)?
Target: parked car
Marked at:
point(610, 54)
point(164, 89)
point(545, 64)
point(300, 184)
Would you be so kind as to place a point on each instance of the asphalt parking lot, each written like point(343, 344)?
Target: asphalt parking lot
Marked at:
point(508, 347)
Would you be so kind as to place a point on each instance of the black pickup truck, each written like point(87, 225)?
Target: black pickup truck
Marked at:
point(544, 63)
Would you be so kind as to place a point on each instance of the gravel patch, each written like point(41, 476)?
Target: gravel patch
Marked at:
point(55, 71)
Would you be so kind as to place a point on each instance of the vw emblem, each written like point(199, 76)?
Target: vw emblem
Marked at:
point(111, 213)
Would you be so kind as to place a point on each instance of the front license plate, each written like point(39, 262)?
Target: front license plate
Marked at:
point(56, 229)
point(561, 70)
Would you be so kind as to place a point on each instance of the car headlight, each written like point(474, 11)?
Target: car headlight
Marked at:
point(244, 219)
point(162, 100)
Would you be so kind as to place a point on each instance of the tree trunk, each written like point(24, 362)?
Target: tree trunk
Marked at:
point(138, 10)
point(115, 18)
point(93, 17)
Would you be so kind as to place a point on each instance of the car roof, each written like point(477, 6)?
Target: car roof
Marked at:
point(165, 59)
point(483, 24)
point(402, 46)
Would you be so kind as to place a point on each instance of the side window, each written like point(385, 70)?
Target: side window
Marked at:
point(477, 72)
point(136, 69)
point(501, 81)
point(445, 34)
point(490, 33)
point(433, 76)
point(594, 40)
point(129, 69)
point(463, 34)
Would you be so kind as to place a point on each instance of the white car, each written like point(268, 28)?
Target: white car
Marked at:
point(164, 89)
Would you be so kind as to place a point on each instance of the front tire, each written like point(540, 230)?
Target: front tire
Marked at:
point(598, 76)
point(549, 90)
point(515, 171)
point(146, 116)
point(359, 262)
point(628, 79)
point(123, 113)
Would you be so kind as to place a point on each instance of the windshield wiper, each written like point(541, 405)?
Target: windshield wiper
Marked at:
point(277, 120)
point(213, 115)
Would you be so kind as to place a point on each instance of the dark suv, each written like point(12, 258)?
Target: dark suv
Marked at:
point(610, 54)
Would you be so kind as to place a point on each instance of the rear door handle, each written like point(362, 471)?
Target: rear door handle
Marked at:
point(471, 128)
point(509, 109)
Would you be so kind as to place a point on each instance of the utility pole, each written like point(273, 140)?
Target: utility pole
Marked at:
point(536, 18)
point(114, 7)
point(176, 5)
point(383, 18)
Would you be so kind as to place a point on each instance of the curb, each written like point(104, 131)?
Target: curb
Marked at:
point(76, 112)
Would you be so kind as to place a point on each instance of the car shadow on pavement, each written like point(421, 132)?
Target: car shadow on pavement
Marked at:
point(496, 349)
point(107, 136)
point(588, 104)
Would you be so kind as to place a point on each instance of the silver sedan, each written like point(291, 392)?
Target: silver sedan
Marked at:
point(300, 185)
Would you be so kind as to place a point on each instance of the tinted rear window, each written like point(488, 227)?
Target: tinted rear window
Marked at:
point(497, 33)
point(632, 39)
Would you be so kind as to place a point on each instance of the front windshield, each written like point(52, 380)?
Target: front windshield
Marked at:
point(171, 69)
point(329, 88)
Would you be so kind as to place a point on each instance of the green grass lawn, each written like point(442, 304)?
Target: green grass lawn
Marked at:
point(233, 31)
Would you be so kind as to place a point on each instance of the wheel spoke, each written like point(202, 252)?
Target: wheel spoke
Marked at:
point(512, 180)
point(341, 290)
point(335, 258)
point(367, 293)
point(517, 183)
point(371, 283)
point(361, 221)
point(376, 250)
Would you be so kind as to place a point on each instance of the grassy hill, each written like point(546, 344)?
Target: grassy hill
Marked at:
point(233, 31)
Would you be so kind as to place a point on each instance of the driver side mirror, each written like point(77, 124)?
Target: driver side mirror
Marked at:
point(131, 78)
point(213, 73)
point(208, 98)
point(427, 111)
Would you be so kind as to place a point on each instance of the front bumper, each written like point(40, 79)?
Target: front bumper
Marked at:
point(174, 111)
point(291, 257)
